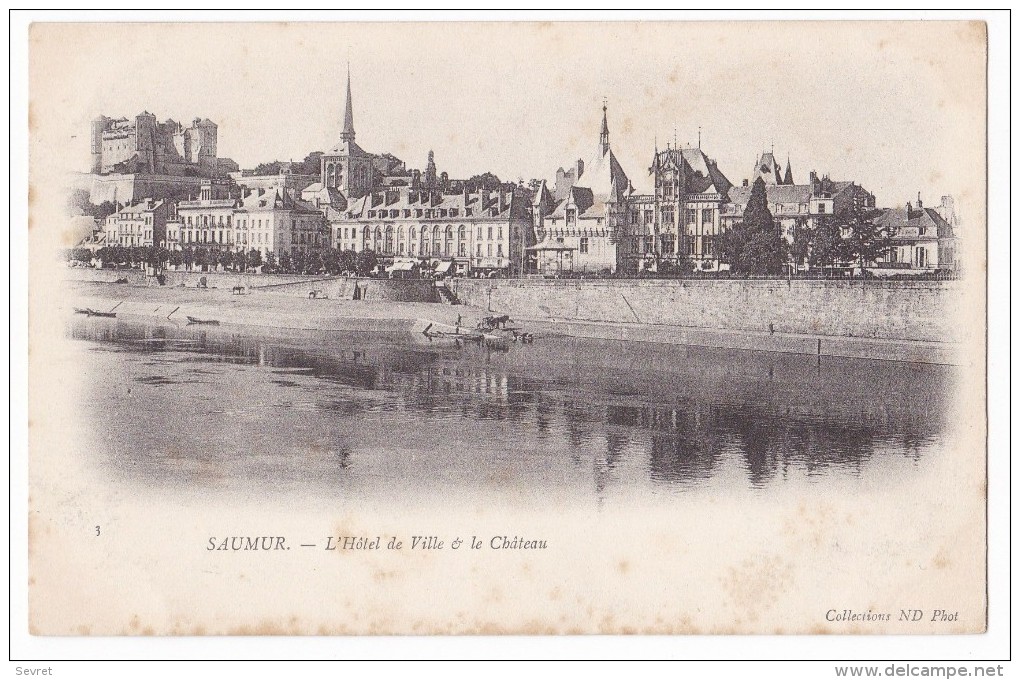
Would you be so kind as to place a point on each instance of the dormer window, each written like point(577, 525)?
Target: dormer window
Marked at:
point(571, 216)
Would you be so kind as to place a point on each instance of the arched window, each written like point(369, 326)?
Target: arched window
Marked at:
point(462, 232)
point(449, 231)
point(412, 234)
point(365, 232)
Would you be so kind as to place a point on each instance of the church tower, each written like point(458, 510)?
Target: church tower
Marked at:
point(604, 137)
point(347, 167)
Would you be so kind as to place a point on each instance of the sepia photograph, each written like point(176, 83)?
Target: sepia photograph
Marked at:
point(507, 328)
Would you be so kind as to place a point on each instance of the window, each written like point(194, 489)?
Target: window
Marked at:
point(571, 216)
point(499, 250)
point(821, 208)
point(478, 251)
point(706, 217)
point(667, 215)
point(584, 245)
point(690, 216)
point(649, 243)
point(668, 244)
point(634, 246)
point(462, 249)
point(500, 233)
point(649, 217)
point(479, 233)
point(489, 250)
point(490, 233)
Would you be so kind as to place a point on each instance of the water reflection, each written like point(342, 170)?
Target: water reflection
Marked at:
point(370, 410)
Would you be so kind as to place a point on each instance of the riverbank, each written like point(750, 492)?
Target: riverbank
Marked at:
point(269, 309)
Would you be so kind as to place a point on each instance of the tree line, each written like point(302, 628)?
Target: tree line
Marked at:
point(756, 245)
point(332, 261)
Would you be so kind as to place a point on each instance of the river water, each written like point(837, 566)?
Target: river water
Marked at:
point(237, 412)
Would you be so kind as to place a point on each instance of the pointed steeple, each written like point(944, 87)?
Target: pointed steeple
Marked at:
point(348, 133)
point(788, 178)
point(604, 137)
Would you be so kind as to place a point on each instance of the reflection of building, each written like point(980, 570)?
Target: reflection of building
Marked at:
point(267, 220)
point(466, 231)
point(681, 217)
point(140, 224)
point(578, 225)
point(921, 239)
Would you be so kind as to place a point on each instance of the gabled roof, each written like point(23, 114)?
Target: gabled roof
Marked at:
point(767, 168)
point(899, 218)
point(701, 173)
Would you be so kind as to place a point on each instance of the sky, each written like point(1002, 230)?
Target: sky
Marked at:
point(898, 107)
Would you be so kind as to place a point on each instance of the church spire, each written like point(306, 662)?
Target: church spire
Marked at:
point(604, 137)
point(788, 178)
point(348, 133)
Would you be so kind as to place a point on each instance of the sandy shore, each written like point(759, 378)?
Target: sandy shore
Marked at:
point(262, 308)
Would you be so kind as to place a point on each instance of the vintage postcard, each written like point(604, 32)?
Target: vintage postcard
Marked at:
point(507, 328)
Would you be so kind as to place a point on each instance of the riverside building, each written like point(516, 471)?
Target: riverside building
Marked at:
point(226, 217)
point(578, 225)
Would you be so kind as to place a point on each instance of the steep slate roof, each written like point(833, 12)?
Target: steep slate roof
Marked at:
point(401, 198)
point(780, 193)
point(928, 218)
point(767, 168)
point(701, 173)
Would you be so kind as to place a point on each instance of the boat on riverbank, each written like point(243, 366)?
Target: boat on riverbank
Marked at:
point(207, 322)
point(88, 311)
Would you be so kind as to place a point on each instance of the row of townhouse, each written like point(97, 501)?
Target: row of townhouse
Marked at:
point(463, 233)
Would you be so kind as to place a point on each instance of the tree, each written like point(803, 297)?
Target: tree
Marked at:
point(240, 261)
point(826, 244)
point(270, 262)
point(176, 258)
point(272, 168)
point(313, 262)
point(366, 262)
point(800, 250)
point(201, 258)
point(755, 245)
point(188, 257)
point(348, 261)
point(254, 258)
point(298, 261)
point(285, 262)
point(862, 241)
point(486, 181)
point(225, 259)
point(682, 265)
point(331, 261)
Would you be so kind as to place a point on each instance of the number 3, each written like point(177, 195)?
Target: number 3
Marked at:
point(97, 530)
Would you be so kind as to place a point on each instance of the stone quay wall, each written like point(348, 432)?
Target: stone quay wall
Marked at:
point(887, 310)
